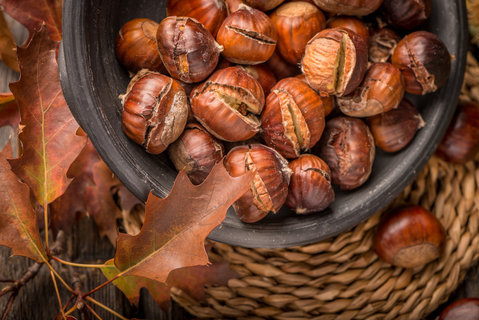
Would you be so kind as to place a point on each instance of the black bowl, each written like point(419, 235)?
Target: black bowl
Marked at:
point(92, 79)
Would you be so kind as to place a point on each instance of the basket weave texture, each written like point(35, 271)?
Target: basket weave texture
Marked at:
point(342, 278)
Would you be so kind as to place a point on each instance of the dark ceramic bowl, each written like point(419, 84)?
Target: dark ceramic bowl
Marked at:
point(92, 79)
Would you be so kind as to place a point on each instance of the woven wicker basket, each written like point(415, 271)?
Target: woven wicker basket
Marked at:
point(342, 278)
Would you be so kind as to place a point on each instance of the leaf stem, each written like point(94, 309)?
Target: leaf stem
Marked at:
point(93, 312)
point(58, 294)
point(101, 285)
point(9, 305)
point(45, 218)
point(113, 312)
point(80, 265)
point(71, 310)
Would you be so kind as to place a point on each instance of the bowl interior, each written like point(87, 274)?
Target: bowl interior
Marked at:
point(92, 80)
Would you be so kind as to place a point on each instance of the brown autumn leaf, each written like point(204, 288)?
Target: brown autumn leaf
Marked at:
point(18, 227)
point(34, 13)
point(176, 227)
point(8, 47)
point(9, 113)
point(49, 139)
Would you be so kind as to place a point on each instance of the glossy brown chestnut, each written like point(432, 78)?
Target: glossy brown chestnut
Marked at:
point(347, 146)
point(424, 61)
point(335, 61)
point(296, 23)
point(248, 36)
point(263, 5)
point(310, 189)
point(281, 68)
point(227, 104)
point(154, 110)
point(349, 7)
point(381, 90)
point(293, 119)
point(463, 309)
point(351, 23)
point(382, 43)
point(189, 51)
point(328, 101)
point(196, 151)
point(233, 5)
point(263, 75)
point(210, 13)
point(406, 14)
point(269, 187)
point(461, 141)
point(136, 48)
point(409, 237)
point(393, 130)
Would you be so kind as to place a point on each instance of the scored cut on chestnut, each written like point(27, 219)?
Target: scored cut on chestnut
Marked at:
point(189, 51)
point(155, 110)
point(409, 237)
point(310, 189)
point(347, 146)
point(293, 118)
point(382, 43)
point(136, 46)
point(296, 23)
point(335, 61)
point(196, 151)
point(406, 14)
point(269, 187)
point(381, 91)
point(349, 7)
point(210, 13)
point(395, 129)
point(463, 309)
point(329, 103)
point(228, 103)
point(247, 36)
point(424, 62)
point(351, 23)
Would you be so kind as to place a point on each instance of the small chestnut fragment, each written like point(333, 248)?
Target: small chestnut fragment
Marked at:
point(269, 187)
point(328, 101)
point(155, 110)
point(136, 48)
point(210, 13)
point(406, 14)
point(349, 7)
point(382, 43)
point(248, 36)
point(347, 146)
point(263, 5)
point(189, 51)
point(382, 90)
point(293, 119)
point(281, 68)
point(463, 309)
point(263, 74)
point(296, 23)
point(424, 62)
point(196, 151)
point(461, 141)
point(409, 237)
point(227, 104)
point(393, 130)
point(310, 188)
point(335, 61)
point(351, 23)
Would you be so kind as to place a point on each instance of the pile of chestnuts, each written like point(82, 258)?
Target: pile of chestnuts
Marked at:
point(301, 92)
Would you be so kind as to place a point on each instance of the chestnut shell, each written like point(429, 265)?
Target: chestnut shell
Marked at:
point(349, 7)
point(406, 14)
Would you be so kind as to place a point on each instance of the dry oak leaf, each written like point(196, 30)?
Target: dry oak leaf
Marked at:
point(9, 113)
point(49, 139)
point(34, 13)
point(8, 52)
point(19, 226)
point(176, 227)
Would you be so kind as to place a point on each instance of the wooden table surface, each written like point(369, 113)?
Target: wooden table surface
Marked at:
point(38, 301)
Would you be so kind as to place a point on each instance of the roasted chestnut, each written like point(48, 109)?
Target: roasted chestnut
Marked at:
point(154, 110)
point(382, 43)
point(263, 5)
point(296, 23)
point(351, 23)
point(461, 141)
point(189, 51)
point(269, 187)
point(349, 7)
point(136, 48)
point(310, 188)
point(463, 309)
point(227, 104)
point(263, 74)
point(248, 36)
point(335, 61)
point(409, 237)
point(233, 5)
point(328, 101)
point(196, 151)
point(424, 62)
point(281, 68)
point(382, 90)
point(347, 146)
point(293, 119)
point(210, 13)
point(393, 130)
point(406, 14)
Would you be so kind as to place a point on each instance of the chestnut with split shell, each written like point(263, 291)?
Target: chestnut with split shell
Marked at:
point(382, 43)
